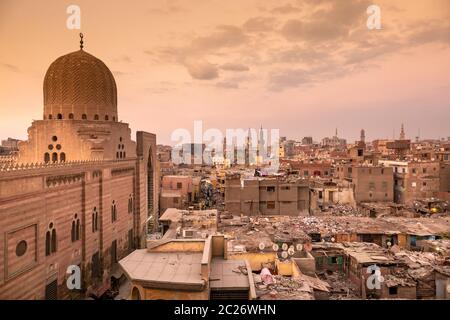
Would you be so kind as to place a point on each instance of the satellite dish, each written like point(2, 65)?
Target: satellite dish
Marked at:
point(389, 244)
point(275, 247)
point(262, 246)
point(333, 239)
point(284, 254)
point(284, 246)
point(291, 251)
point(299, 247)
point(307, 247)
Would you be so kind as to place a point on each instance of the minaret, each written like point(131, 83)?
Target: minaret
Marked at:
point(363, 136)
point(261, 142)
point(224, 147)
point(336, 133)
point(402, 133)
point(81, 41)
point(247, 148)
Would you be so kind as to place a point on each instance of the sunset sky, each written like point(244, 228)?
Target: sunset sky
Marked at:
point(304, 67)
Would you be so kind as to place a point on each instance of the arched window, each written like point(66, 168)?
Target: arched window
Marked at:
point(94, 220)
point(84, 116)
point(50, 240)
point(54, 157)
point(106, 118)
point(78, 230)
point(117, 155)
point(135, 294)
point(73, 232)
point(46, 157)
point(62, 157)
point(124, 154)
point(71, 116)
point(130, 204)
point(114, 118)
point(60, 116)
point(50, 117)
point(53, 240)
point(48, 250)
point(96, 117)
point(113, 211)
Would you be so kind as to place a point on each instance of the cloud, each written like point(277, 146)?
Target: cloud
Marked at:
point(286, 9)
point(347, 13)
point(306, 43)
point(10, 67)
point(234, 67)
point(202, 69)
point(297, 54)
point(123, 58)
point(288, 78)
point(331, 20)
point(224, 36)
point(431, 33)
point(259, 24)
point(161, 87)
point(297, 30)
point(119, 73)
point(227, 85)
point(167, 8)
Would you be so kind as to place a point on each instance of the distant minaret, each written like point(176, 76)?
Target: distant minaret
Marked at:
point(402, 133)
point(336, 133)
point(224, 147)
point(261, 142)
point(363, 136)
point(248, 145)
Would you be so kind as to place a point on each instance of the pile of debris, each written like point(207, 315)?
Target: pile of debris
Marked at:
point(344, 210)
point(341, 288)
point(299, 287)
point(252, 232)
point(399, 278)
point(276, 287)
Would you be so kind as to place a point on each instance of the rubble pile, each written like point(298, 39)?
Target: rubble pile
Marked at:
point(344, 210)
point(399, 278)
point(341, 288)
point(281, 287)
point(251, 232)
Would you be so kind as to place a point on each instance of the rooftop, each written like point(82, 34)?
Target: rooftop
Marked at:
point(165, 270)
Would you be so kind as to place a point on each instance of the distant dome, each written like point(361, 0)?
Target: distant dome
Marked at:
point(79, 86)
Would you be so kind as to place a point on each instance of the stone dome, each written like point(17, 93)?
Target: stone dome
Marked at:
point(81, 87)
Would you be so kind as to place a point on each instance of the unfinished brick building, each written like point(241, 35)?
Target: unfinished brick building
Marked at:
point(266, 196)
point(370, 183)
point(414, 179)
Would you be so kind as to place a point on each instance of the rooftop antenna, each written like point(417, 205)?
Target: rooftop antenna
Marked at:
point(81, 41)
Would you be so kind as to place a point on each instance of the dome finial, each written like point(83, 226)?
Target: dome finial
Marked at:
point(81, 41)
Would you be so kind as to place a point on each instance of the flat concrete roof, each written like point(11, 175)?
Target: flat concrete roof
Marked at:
point(165, 270)
point(225, 275)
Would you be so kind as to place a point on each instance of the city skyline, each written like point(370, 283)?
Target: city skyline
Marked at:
point(208, 150)
point(304, 67)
